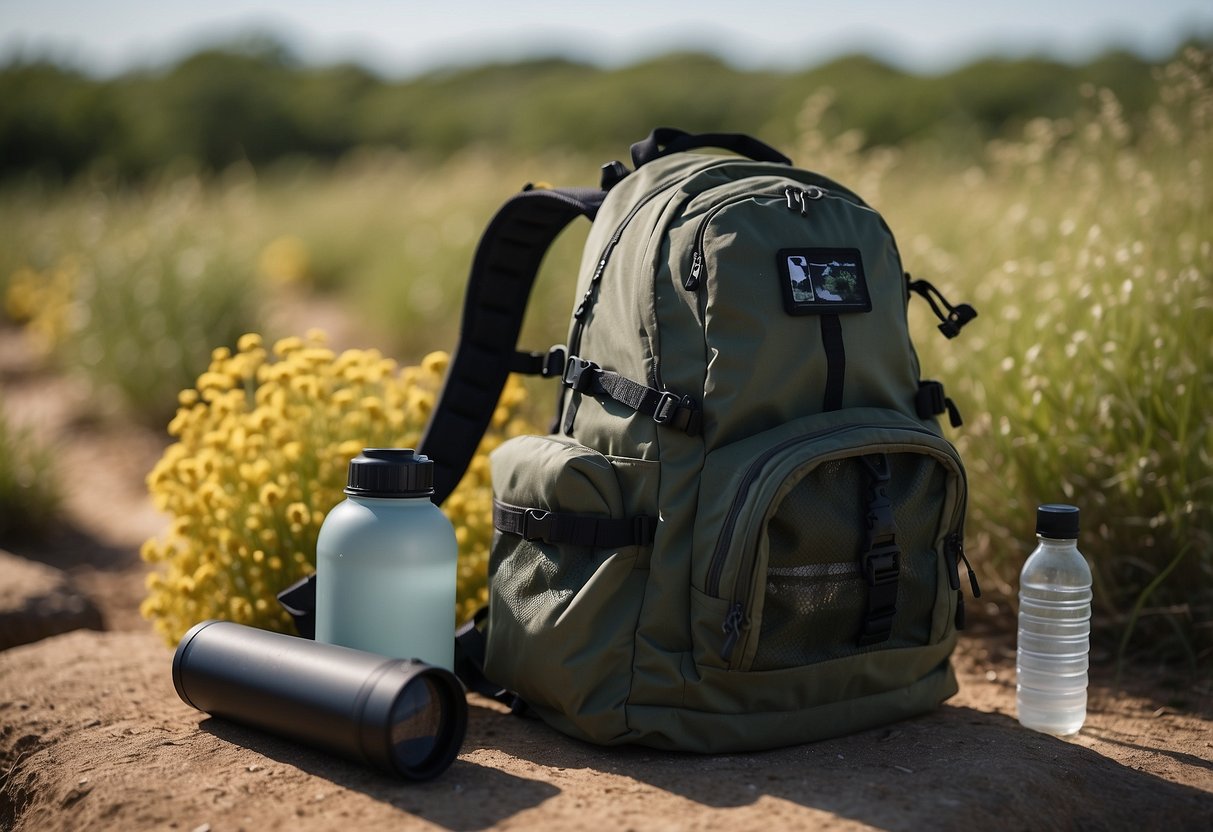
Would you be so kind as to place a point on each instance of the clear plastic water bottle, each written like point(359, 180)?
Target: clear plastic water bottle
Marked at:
point(386, 562)
point(1054, 627)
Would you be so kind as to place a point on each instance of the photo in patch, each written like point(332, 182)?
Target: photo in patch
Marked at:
point(819, 281)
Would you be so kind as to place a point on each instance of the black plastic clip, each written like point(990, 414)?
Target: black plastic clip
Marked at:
point(958, 316)
point(536, 524)
point(882, 565)
point(667, 408)
point(542, 364)
point(678, 412)
point(954, 318)
point(930, 401)
point(579, 374)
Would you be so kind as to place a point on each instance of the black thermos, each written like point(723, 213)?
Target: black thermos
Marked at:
point(406, 717)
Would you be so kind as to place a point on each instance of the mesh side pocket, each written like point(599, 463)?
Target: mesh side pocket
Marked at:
point(815, 598)
point(537, 580)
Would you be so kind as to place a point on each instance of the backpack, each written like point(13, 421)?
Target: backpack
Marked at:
point(744, 530)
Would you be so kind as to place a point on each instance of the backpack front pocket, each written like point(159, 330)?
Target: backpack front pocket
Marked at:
point(822, 538)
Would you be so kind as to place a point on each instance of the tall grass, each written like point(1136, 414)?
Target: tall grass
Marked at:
point(130, 289)
point(30, 493)
point(1087, 246)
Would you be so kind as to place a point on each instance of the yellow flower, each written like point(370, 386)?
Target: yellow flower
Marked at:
point(285, 260)
point(297, 513)
point(263, 445)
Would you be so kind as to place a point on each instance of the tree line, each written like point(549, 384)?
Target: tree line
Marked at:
point(255, 102)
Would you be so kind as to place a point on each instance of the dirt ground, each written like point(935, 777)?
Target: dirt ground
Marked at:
point(93, 736)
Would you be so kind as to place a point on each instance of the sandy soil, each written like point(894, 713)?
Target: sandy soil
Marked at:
point(92, 734)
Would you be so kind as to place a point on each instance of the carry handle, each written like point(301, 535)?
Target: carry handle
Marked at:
point(666, 140)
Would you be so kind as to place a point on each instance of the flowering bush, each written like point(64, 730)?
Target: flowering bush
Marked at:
point(262, 453)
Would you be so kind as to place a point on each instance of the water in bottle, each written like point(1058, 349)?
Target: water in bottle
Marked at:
point(1054, 627)
point(386, 562)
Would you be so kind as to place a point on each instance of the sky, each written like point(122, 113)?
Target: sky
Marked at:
point(399, 39)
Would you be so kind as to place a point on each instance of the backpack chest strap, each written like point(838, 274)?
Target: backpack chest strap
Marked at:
point(662, 406)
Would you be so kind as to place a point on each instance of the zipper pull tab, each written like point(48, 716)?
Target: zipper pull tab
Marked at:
point(950, 550)
point(732, 627)
point(972, 575)
point(691, 281)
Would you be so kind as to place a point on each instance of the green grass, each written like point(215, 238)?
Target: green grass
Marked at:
point(131, 289)
point(29, 486)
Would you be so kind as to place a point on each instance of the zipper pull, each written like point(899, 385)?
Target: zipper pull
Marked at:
point(691, 281)
point(733, 625)
point(972, 575)
point(955, 549)
point(950, 551)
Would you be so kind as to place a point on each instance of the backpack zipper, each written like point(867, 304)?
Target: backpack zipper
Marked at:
point(796, 200)
point(584, 306)
point(736, 619)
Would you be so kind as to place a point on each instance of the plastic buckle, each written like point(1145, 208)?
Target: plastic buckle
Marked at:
point(553, 364)
point(882, 565)
point(667, 408)
point(579, 373)
point(536, 524)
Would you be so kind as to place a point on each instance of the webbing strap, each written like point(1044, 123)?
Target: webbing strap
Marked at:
point(880, 564)
point(836, 361)
point(470, 648)
point(662, 406)
point(575, 529)
point(503, 271)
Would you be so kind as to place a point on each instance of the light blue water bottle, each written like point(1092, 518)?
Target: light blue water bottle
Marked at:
point(386, 562)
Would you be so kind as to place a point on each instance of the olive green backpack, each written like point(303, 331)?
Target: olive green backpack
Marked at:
point(745, 528)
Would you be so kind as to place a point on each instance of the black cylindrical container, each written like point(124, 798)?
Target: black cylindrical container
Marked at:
point(405, 717)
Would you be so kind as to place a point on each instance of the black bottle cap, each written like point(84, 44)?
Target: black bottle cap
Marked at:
point(1057, 521)
point(390, 472)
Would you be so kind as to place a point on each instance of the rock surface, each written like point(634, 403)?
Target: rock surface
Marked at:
point(37, 601)
point(92, 735)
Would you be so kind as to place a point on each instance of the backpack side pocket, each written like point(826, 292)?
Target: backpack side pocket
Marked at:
point(566, 577)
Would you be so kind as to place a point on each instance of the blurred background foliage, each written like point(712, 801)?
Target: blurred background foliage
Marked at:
point(254, 102)
point(149, 218)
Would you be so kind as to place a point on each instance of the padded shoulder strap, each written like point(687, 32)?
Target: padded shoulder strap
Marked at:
point(503, 271)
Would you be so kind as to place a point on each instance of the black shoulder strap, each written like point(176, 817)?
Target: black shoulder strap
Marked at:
point(503, 271)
